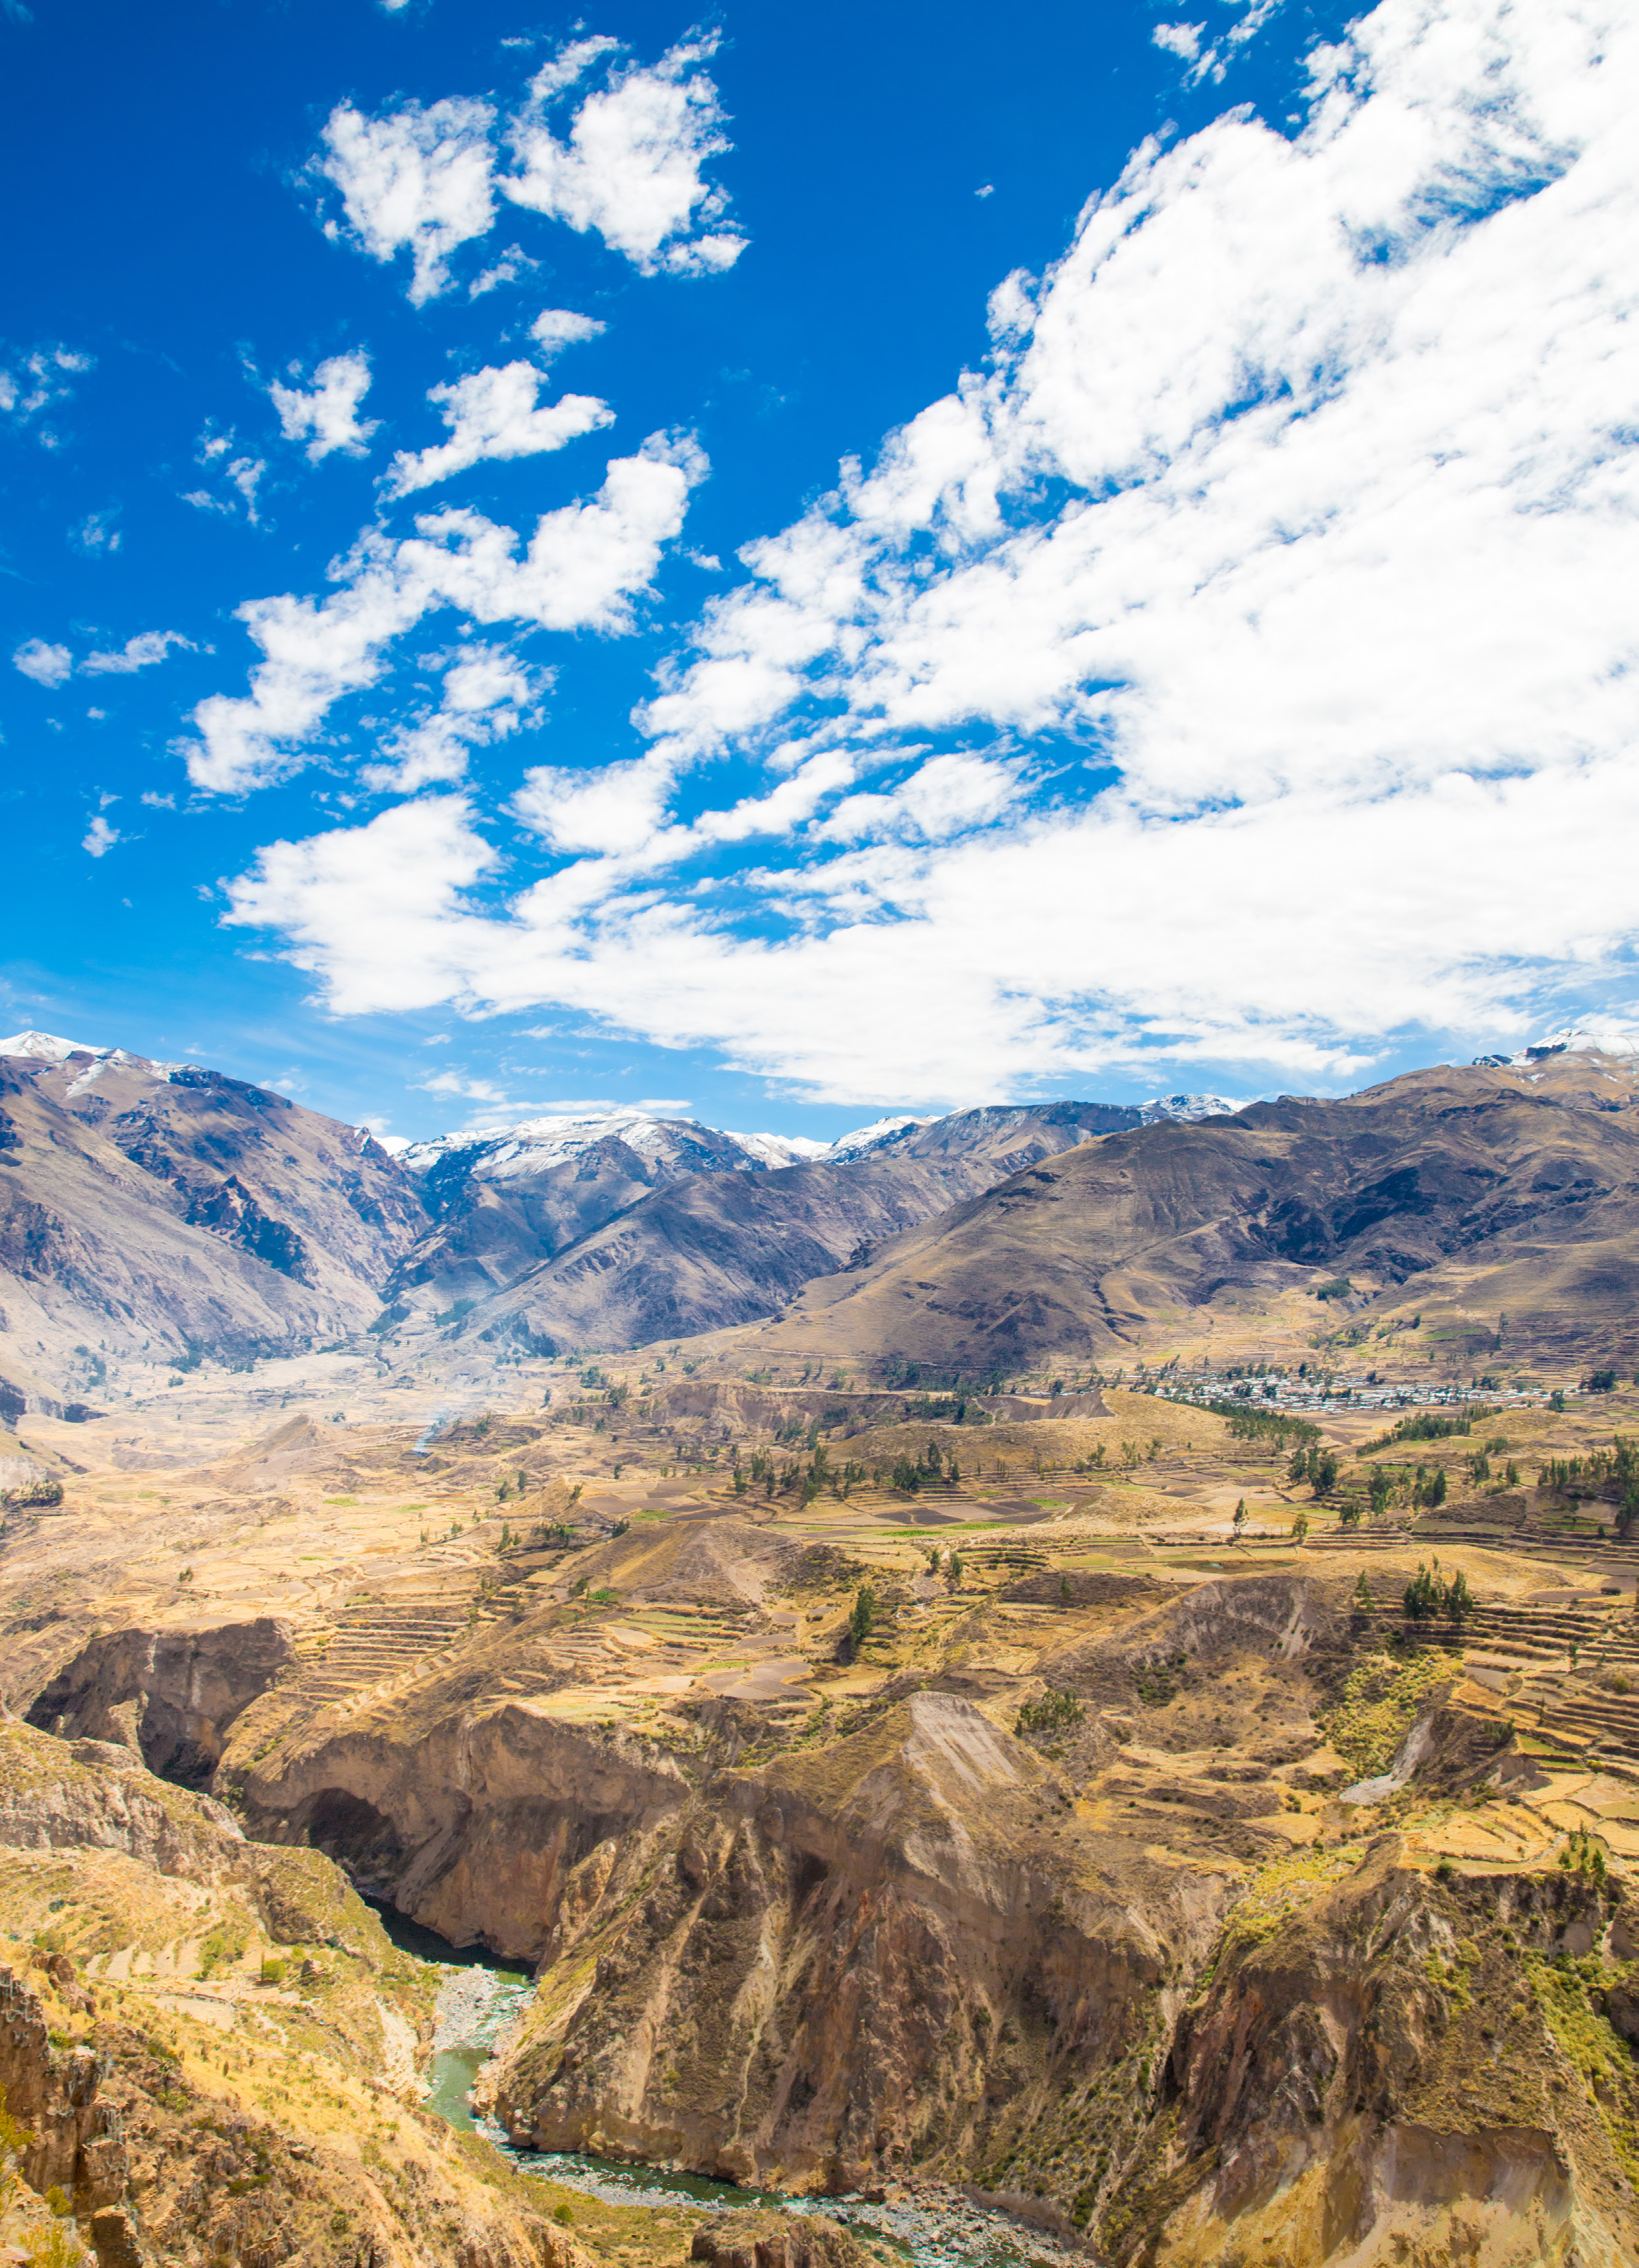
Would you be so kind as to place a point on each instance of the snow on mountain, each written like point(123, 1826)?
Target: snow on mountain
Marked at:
point(776, 1150)
point(864, 1139)
point(45, 1047)
point(1188, 1108)
point(1602, 1037)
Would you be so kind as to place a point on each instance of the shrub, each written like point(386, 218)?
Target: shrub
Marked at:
point(1054, 1713)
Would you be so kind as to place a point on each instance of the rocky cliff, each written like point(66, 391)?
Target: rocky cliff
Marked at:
point(180, 2087)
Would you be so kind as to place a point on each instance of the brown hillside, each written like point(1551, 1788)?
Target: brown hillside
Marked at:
point(1493, 1192)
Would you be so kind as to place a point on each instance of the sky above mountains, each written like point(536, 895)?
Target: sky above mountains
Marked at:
point(777, 565)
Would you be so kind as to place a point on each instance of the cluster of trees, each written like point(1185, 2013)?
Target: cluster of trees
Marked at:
point(1431, 1425)
point(808, 1481)
point(1612, 1472)
point(1429, 1596)
point(930, 1466)
point(1582, 1855)
point(1055, 1714)
point(952, 1565)
point(1318, 1467)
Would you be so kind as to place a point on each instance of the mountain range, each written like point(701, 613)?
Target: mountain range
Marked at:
point(159, 1212)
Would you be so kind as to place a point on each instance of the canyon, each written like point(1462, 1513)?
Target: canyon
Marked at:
point(923, 1767)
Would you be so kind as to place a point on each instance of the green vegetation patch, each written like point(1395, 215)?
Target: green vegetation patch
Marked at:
point(1380, 1700)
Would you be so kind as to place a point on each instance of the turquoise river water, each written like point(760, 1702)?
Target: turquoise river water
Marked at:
point(479, 1998)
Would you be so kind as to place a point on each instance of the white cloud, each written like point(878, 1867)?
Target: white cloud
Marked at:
point(243, 472)
point(96, 532)
point(46, 665)
point(417, 179)
point(486, 692)
point(944, 797)
point(630, 169)
point(139, 653)
point(492, 413)
point(557, 328)
point(1181, 39)
point(36, 382)
point(513, 263)
point(100, 837)
point(1290, 531)
point(326, 415)
point(581, 567)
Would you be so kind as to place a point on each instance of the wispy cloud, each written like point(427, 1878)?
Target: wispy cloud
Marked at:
point(581, 568)
point(34, 383)
point(139, 653)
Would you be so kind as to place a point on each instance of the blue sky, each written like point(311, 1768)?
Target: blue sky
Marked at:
point(784, 565)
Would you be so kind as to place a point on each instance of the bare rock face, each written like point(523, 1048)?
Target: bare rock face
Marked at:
point(473, 1824)
point(871, 1960)
point(778, 2240)
point(1385, 2077)
point(95, 1795)
point(76, 2144)
point(171, 1694)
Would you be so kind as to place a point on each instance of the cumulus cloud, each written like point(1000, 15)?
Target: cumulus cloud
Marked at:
point(46, 664)
point(557, 328)
point(1279, 564)
point(99, 838)
point(492, 413)
point(324, 414)
point(631, 168)
point(580, 569)
point(139, 653)
point(488, 693)
point(417, 179)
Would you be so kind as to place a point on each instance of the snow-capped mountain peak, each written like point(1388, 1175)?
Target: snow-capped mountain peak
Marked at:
point(1189, 1108)
point(45, 1047)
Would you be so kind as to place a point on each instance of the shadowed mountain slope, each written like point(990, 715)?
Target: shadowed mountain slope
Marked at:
point(1500, 1191)
point(730, 1247)
point(157, 1202)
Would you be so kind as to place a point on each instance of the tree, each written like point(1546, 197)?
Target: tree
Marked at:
point(1241, 1519)
point(1300, 1526)
point(863, 1615)
point(1364, 1604)
point(954, 1571)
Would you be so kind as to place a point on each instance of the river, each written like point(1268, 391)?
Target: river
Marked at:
point(481, 1997)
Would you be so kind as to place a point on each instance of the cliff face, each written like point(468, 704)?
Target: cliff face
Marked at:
point(171, 2102)
point(879, 1959)
point(172, 1695)
point(1398, 2070)
point(472, 1822)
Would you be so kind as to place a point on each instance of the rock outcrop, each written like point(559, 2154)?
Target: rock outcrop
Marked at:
point(1395, 2069)
point(172, 1694)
